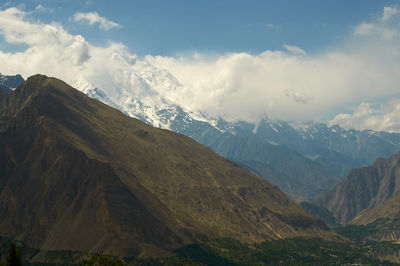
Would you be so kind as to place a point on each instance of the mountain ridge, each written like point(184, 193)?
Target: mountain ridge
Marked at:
point(332, 150)
point(50, 133)
point(320, 155)
point(366, 194)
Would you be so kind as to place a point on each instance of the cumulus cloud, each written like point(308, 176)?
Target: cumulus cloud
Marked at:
point(17, 30)
point(283, 85)
point(381, 117)
point(92, 18)
point(51, 49)
point(386, 27)
point(286, 84)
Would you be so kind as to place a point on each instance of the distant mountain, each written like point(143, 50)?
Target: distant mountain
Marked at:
point(76, 174)
point(304, 160)
point(366, 194)
point(8, 83)
point(296, 175)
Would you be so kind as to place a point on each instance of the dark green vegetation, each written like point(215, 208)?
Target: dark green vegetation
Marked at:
point(296, 251)
point(33, 256)
point(225, 251)
point(380, 238)
point(382, 229)
point(13, 256)
point(76, 174)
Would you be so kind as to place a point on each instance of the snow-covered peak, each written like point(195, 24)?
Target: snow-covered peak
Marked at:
point(140, 90)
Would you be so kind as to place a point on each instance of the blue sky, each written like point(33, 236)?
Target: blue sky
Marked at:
point(170, 27)
point(334, 61)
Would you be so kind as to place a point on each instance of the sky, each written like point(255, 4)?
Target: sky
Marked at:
point(168, 28)
point(333, 61)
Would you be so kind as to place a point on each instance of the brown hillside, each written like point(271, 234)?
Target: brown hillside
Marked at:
point(367, 193)
point(77, 174)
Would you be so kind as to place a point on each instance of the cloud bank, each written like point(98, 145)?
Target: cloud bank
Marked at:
point(342, 85)
point(294, 85)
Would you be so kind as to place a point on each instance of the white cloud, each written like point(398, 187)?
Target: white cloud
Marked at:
point(294, 49)
point(41, 9)
point(383, 117)
point(388, 13)
point(365, 29)
point(380, 28)
point(287, 84)
point(92, 18)
point(297, 96)
point(16, 29)
point(51, 49)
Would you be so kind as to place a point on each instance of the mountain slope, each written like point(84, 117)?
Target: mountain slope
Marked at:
point(321, 155)
point(77, 174)
point(304, 161)
point(367, 194)
point(299, 177)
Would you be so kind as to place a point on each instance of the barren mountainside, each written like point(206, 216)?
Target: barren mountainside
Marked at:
point(367, 194)
point(77, 174)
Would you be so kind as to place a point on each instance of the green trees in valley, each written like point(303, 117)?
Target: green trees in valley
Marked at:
point(13, 257)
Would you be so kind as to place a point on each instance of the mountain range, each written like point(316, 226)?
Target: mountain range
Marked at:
point(76, 174)
point(303, 159)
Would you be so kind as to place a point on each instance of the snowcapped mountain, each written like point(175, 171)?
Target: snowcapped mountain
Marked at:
point(303, 159)
point(143, 91)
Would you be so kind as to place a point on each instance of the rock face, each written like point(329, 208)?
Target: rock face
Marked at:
point(77, 174)
point(7, 83)
point(367, 194)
